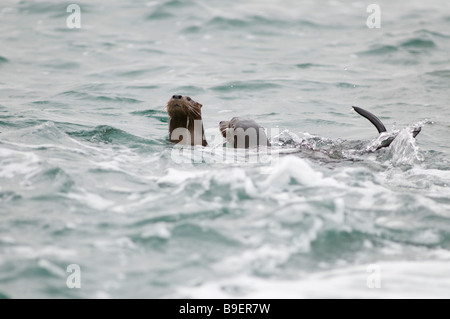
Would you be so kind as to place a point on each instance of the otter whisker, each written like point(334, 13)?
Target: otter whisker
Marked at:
point(195, 111)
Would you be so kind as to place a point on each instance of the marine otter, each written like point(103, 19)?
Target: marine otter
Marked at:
point(381, 128)
point(185, 121)
point(243, 133)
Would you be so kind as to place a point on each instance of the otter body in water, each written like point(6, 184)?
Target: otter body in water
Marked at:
point(186, 126)
point(185, 121)
point(381, 128)
point(243, 133)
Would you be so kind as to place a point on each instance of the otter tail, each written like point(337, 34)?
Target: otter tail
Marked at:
point(372, 118)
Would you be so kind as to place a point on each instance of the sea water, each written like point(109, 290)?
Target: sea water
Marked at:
point(96, 203)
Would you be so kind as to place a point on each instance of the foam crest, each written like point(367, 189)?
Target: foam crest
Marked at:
point(294, 169)
point(397, 279)
point(15, 163)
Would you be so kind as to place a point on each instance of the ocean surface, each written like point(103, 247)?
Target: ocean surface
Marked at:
point(96, 203)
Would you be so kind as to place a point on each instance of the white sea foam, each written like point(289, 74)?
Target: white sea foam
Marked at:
point(177, 176)
point(158, 230)
point(27, 252)
point(266, 256)
point(398, 280)
point(295, 168)
point(15, 163)
point(90, 199)
point(404, 149)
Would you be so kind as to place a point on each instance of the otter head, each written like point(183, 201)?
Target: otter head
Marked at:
point(227, 131)
point(185, 114)
point(184, 106)
point(243, 133)
point(229, 126)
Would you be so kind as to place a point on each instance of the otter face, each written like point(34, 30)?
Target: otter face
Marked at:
point(184, 105)
point(185, 114)
point(225, 126)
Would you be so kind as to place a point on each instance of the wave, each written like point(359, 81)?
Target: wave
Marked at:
point(256, 25)
point(418, 43)
point(411, 45)
point(140, 72)
point(100, 98)
point(261, 22)
point(433, 33)
point(223, 22)
point(36, 181)
point(399, 280)
point(143, 87)
point(155, 114)
point(380, 50)
point(110, 135)
point(60, 64)
point(192, 89)
point(9, 196)
point(43, 134)
point(440, 73)
point(55, 179)
point(346, 85)
point(160, 14)
point(255, 85)
point(42, 7)
point(310, 65)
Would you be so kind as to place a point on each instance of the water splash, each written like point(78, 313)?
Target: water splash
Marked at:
point(385, 139)
point(404, 150)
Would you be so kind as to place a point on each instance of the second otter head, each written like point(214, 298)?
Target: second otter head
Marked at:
point(243, 133)
point(184, 105)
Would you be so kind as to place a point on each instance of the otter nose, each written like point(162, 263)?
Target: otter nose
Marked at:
point(221, 122)
point(177, 97)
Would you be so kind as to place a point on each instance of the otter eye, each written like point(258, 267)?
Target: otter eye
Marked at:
point(188, 98)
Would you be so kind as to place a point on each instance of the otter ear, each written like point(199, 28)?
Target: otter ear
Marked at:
point(200, 105)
